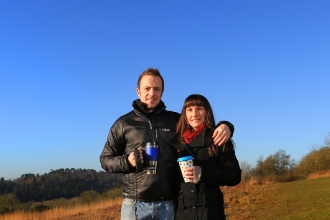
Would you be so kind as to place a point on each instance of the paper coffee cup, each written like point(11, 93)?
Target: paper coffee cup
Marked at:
point(185, 162)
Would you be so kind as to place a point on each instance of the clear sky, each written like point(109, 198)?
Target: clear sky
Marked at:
point(69, 69)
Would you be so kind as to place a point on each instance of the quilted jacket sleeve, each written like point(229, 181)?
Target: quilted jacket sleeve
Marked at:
point(224, 170)
point(113, 158)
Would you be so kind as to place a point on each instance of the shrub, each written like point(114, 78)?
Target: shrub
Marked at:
point(4, 210)
point(112, 193)
point(89, 197)
point(40, 208)
point(317, 160)
point(274, 165)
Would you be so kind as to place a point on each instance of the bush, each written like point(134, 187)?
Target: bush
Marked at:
point(89, 197)
point(274, 165)
point(4, 210)
point(40, 208)
point(112, 193)
point(317, 160)
point(287, 177)
point(8, 203)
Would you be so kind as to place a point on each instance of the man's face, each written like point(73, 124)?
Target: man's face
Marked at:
point(150, 91)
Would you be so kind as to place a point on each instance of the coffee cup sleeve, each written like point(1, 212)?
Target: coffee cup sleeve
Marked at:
point(197, 174)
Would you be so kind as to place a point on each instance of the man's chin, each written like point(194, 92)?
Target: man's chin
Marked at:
point(151, 107)
point(152, 104)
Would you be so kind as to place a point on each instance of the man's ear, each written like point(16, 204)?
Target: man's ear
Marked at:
point(138, 91)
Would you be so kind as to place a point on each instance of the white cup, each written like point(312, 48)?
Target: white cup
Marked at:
point(185, 162)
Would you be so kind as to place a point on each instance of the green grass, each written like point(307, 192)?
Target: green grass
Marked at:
point(305, 199)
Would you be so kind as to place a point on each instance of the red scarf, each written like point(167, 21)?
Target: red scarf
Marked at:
point(189, 135)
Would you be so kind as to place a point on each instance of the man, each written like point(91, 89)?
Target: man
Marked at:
point(148, 196)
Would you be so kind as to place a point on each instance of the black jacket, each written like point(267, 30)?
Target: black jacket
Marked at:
point(132, 131)
point(205, 200)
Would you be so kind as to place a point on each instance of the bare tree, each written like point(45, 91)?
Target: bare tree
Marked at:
point(327, 140)
point(246, 170)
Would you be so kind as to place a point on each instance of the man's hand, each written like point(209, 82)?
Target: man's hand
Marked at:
point(131, 157)
point(221, 135)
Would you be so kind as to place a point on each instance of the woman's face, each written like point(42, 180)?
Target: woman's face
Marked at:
point(195, 116)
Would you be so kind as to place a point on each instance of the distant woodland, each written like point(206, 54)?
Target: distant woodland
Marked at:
point(62, 183)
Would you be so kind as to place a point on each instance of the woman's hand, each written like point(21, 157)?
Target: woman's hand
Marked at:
point(189, 174)
point(193, 174)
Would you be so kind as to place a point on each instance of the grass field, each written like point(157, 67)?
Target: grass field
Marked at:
point(305, 199)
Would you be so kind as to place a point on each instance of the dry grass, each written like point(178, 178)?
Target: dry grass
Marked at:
point(105, 210)
point(250, 200)
point(319, 174)
point(110, 209)
point(240, 199)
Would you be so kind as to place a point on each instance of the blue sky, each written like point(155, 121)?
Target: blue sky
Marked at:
point(68, 70)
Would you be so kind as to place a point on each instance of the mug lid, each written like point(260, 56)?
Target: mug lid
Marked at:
point(185, 158)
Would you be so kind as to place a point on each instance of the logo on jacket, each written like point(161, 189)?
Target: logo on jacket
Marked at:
point(166, 129)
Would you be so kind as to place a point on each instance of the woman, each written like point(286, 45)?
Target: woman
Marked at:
point(214, 166)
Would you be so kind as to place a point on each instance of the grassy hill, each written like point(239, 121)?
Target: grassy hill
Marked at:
point(304, 199)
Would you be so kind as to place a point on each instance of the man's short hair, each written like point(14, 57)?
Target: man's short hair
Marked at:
point(150, 72)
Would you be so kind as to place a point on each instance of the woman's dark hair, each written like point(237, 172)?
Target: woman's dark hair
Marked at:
point(183, 125)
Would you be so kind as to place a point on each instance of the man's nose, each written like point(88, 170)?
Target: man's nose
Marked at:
point(151, 92)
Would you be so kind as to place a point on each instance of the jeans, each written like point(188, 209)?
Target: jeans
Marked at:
point(158, 210)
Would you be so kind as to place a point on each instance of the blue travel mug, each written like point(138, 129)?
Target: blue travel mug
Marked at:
point(151, 157)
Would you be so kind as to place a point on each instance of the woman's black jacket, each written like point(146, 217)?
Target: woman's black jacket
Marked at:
point(205, 199)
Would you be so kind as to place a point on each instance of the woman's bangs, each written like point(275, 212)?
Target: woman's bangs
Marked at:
point(193, 102)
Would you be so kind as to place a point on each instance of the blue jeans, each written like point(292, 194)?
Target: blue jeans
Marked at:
point(158, 210)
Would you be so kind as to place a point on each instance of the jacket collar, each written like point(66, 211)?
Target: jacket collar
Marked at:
point(141, 107)
point(199, 140)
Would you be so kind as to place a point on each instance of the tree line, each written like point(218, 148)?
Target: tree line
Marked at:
point(61, 183)
point(280, 167)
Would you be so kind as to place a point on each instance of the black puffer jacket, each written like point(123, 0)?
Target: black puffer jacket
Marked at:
point(132, 131)
point(204, 200)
